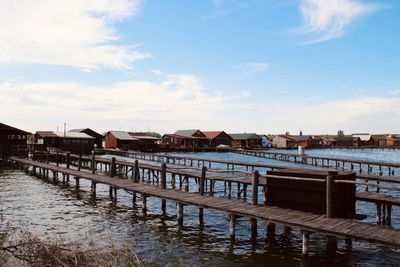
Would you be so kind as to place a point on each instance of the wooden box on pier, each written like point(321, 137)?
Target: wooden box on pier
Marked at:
point(310, 196)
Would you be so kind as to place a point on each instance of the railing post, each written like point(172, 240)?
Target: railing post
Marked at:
point(112, 167)
point(201, 191)
point(68, 160)
point(329, 193)
point(93, 164)
point(255, 181)
point(136, 171)
point(163, 185)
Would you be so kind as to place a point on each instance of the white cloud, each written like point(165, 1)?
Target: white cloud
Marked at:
point(177, 101)
point(251, 67)
point(395, 92)
point(157, 72)
point(74, 33)
point(324, 20)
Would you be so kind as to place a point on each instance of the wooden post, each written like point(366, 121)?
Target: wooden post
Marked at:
point(201, 190)
point(112, 167)
point(232, 226)
point(68, 160)
point(378, 213)
point(144, 205)
point(136, 171)
point(163, 185)
point(306, 241)
point(93, 163)
point(270, 230)
point(179, 213)
point(329, 193)
point(254, 182)
point(57, 158)
point(80, 162)
point(389, 214)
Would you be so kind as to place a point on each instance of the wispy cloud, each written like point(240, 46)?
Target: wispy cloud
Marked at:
point(73, 33)
point(157, 72)
point(252, 67)
point(395, 93)
point(325, 20)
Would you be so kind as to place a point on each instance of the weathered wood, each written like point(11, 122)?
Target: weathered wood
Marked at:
point(306, 242)
point(232, 226)
point(255, 182)
point(329, 193)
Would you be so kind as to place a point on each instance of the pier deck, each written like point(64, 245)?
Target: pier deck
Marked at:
point(344, 228)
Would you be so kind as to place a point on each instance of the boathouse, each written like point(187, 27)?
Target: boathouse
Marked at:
point(218, 138)
point(304, 140)
point(146, 142)
point(98, 137)
point(78, 143)
point(284, 141)
point(266, 142)
point(347, 141)
point(379, 139)
point(186, 139)
point(121, 140)
point(11, 139)
point(364, 138)
point(246, 140)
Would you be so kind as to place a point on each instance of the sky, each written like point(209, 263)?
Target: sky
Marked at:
point(265, 66)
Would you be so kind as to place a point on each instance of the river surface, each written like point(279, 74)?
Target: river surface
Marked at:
point(54, 211)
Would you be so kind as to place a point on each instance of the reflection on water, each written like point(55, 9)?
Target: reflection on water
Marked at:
point(51, 210)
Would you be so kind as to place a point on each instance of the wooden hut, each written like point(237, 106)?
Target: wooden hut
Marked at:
point(246, 140)
point(12, 140)
point(218, 138)
point(146, 142)
point(304, 141)
point(98, 137)
point(75, 142)
point(186, 139)
point(121, 140)
point(284, 141)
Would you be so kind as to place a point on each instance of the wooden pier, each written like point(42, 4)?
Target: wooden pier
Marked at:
point(171, 183)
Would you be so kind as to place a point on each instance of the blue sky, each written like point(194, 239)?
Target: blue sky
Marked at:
point(255, 66)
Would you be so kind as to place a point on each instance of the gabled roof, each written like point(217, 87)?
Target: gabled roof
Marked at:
point(300, 138)
point(245, 136)
point(5, 127)
point(287, 137)
point(187, 133)
point(141, 136)
point(177, 136)
point(347, 138)
point(78, 130)
point(122, 135)
point(87, 131)
point(214, 134)
point(45, 134)
point(73, 135)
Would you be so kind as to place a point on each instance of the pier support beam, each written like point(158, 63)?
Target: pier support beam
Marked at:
point(179, 212)
point(232, 226)
point(144, 203)
point(306, 242)
point(163, 186)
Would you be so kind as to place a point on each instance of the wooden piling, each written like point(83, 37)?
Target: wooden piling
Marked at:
point(232, 226)
point(306, 242)
point(329, 193)
point(163, 183)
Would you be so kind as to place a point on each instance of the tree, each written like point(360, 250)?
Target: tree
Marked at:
point(301, 133)
point(340, 133)
point(287, 133)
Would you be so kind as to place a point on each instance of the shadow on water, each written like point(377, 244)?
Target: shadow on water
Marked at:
point(55, 210)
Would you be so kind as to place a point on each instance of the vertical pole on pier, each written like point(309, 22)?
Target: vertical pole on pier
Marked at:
point(68, 160)
point(93, 163)
point(306, 242)
point(232, 226)
point(329, 193)
point(255, 182)
point(179, 212)
point(80, 162)
point(163, 185)
point(112, 167)
point(144, 203)
point(136, 171)
point(201, 190)
point(378, 213)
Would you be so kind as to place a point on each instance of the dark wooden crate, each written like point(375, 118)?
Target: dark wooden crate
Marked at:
point(310, 196)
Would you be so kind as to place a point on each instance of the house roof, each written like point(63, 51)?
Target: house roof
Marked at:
point(143, 137)
point(45, 134)
point(346, 138)
point(363, 136)
point(73, 135)
point(300, 138)
point(5, 127)
point(122, 135)
point(187, 133)
point(245, 136)
point(89, 132)
point(287, 137)
point(379, 136)
point(214, 134)
point(178, 136)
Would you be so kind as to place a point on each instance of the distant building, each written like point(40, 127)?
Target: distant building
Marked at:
point(73, 142)
point(364, 138)
point(12, 139)
point(304, 141)
point(246, 140)
point(393, 141)
point(145, 142)
point(98, 137)
point(266, 142)
point(218, 138)
point(186, 139)
point(379, 139)
point(284, 141)
point(121, 140)
point(347, 141)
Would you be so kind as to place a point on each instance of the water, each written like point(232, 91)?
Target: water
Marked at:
point(51, 211)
